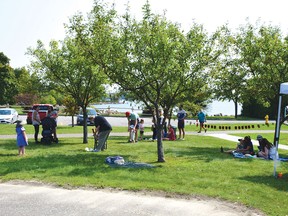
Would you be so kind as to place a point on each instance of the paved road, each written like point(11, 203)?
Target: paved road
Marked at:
point(33, 199)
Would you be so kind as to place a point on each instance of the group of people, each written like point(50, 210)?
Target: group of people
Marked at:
point(52, 120)
point(22, 139)
point(136, 124)
point(245, 146)
point(103, 129)
point(181, 115)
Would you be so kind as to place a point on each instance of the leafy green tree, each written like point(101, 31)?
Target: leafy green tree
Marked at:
point(263, 52)
point(48, 99)
point(22, 78)
point(229, 77)
point(8, 87)
point(71, 107)
point(152, 60)
point(30, 87)
point(66, 66)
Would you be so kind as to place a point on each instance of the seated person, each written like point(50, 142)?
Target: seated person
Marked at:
point(171, 134)
point(264, 148)
point(245, 146)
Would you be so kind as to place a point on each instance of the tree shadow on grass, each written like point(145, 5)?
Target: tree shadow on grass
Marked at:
point(75, 165)
point(207, 154)
point(277, 183)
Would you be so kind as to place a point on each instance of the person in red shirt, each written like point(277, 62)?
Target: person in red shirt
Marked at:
point(171, 134)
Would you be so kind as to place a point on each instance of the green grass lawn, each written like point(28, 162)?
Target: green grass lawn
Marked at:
point(193, 167)
point(10, 128)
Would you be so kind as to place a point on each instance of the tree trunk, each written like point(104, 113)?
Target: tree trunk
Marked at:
point(85, 139)
point(73, 121)
point(236, 109)
point(160, 148)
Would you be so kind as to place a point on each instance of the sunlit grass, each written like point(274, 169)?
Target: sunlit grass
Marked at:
point(193, 167)
point(242, 127)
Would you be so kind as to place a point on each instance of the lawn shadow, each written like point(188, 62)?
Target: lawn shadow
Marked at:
point(270, 181)
point(82, 164)
point(207, 154)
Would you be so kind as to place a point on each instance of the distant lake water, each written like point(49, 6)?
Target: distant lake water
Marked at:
point(216, 107)
point(119, 107)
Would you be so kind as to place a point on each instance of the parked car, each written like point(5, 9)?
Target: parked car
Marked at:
point(91, 114)
point(43, 110)
point(8, 115)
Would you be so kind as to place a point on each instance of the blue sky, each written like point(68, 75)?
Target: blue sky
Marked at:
point(23, 22)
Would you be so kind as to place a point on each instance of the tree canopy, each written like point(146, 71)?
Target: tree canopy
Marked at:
point(152, 59)
point(66, 65)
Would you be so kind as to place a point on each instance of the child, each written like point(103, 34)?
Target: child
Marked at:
point(171, 134)
point(132, 134)
point(22, 139)
point(141, 127)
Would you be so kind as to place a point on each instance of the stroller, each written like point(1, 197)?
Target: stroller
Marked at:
point(48, 126)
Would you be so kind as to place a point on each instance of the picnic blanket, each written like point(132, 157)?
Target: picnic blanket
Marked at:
point(240, 155)
point(116, 161)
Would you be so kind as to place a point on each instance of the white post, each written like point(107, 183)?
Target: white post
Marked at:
point(283, 91)
point(277, 134)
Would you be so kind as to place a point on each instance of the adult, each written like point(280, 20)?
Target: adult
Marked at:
point(247, 146)
point(244, 146)
point(154, 124)
point(102, 131)
point(264, 147)
point(181, 115)
point(36, 122)
point(133, 126)
point(171, 134)
point(53, 115)
point(202, 119)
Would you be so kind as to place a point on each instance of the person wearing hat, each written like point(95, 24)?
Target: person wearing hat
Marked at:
point(133, 126)
point(259, 138)
point(22, 139)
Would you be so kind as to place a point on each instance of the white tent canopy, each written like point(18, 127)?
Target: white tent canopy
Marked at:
point(284, 88)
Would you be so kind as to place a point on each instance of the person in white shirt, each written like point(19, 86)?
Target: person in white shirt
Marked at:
point(36, 122)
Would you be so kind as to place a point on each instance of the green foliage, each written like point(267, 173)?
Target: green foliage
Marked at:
point(253, 63)
point(66, 65)
point(7, 77)
point(48, 99)
point(150, 59)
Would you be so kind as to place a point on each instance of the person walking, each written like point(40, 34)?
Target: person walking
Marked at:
point(102, 131)
point(22, 139)
point(36, 122)
point(202, 119)
point(181, 115)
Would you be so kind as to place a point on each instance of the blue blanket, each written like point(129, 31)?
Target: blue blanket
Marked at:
point(240, 155)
